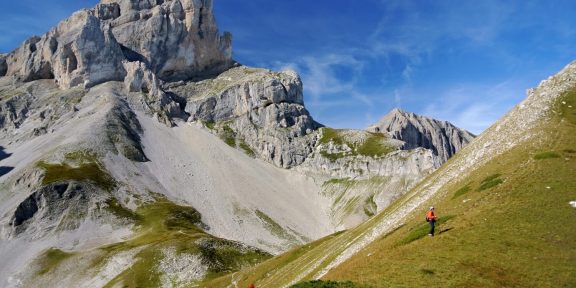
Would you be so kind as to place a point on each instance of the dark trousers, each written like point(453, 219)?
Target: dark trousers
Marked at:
point(432, 227)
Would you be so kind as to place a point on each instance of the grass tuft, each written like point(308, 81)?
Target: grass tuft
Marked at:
point(210, 125)
point(546, 155)
point(490, 182)
point(247, 149)
point(461, 191)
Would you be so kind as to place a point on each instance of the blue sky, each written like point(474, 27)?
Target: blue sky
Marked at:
point(467, 62)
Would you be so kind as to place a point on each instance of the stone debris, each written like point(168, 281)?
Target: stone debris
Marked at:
point(180, 268)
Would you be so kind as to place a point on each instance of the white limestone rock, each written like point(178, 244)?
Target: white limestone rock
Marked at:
point(443, 138)
point(176, 40)
point(79, 51)
point(265, 109)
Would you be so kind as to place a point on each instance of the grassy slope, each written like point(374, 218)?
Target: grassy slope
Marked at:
point(517, 233)
point(502, 230)
point(160, 225)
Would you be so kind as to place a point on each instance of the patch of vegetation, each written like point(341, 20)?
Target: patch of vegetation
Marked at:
point(374, 146)
point(422, 230)
point(370, 206)
point(142, 273)
point(247, 149)
point(87, 168)
point(274, 227)
point(51, 259)
point(462, 191)
point(490, 182)
point(331, 135)
point(210, 124)
point(327, 284)
point(546, 155)
point(228, 136)
point(333, 156)
point(120, 211)
point(162, 225)
point(225, 256)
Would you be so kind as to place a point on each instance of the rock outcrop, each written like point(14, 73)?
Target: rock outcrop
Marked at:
point(261, 109)
point(176, 40)
point(443, 138)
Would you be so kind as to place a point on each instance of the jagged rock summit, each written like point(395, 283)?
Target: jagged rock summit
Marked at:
point(175, 39)
point(443, 138)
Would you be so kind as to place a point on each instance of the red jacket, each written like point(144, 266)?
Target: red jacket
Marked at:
point(430, 216)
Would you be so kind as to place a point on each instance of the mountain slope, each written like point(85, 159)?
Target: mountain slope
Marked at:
point(507, 175)
point(134, 150)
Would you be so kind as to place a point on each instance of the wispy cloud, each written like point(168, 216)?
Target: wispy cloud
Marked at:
point(474, 106)
point(327, 75)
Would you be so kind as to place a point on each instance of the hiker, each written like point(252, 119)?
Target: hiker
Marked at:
point(431, 218)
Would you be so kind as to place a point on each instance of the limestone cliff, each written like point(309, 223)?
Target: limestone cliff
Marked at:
point(175, 39)
point(258, 110)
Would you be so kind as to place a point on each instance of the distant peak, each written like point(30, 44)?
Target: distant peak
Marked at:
point(443, 138)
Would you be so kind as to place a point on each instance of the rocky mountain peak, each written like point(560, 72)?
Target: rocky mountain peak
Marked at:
point(442, 137)
point(173, 39)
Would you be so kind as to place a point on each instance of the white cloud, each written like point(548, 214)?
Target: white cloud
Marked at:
point(322, 76)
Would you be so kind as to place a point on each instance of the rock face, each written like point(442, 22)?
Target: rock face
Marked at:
point(443, 138)
point(176, 40)
point(258, 109)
